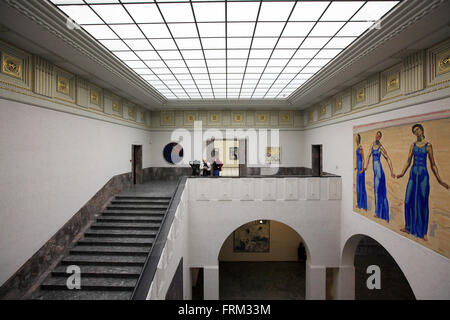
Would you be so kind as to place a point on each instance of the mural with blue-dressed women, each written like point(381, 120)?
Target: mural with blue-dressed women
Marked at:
point(401, 175)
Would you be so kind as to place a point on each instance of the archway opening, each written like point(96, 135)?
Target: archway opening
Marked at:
point(260, 260)
point(377, 274)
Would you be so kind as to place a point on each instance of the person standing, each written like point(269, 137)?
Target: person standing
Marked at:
point(418, 187)
point(379, 184)
point(206, 168)
point(216, 166)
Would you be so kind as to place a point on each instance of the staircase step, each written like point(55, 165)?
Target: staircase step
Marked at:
point(115, 260)
point(140, 202)
point(91, 283)
point(134, 197)
point(121, 233)
point(111, 250)
point(97, 271)
point(81, 295)
point(125, 219)
point(123, 242)
point(125, 226)
point(131, 213)
point(136, 207)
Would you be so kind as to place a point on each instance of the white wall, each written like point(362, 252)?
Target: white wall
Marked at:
point(51, 164)
point(211, 209)
point(217, 207)
point(290, 143)
point(428, 272)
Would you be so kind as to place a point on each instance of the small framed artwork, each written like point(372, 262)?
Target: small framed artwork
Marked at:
point(252, 237)
point(173, 153)
point(273, 155)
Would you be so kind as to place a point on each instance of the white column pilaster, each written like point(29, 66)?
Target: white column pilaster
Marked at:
point(211, 282)
point(315, 282)
point(346, 283)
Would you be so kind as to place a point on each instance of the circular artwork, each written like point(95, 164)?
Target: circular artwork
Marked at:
point(173, 153)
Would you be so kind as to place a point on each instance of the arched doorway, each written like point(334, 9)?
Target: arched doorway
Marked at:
point(365, 252)
point(263, 259)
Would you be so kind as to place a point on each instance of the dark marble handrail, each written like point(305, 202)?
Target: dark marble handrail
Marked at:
point(148, 272)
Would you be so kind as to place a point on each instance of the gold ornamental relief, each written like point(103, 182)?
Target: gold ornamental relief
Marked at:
point(262, 118)
point(190, 118)
point(238, 117)
point(95, 98)
point(285, 117)
point(12, 66)
point(130, 111)
point(443, 62)
point(214, 118)
point(311, 116)
point(393, 82)
point(143, 116)
point(323, 110)
point(63, 86)
point(115, 107)
point(338, 104)
point(167, 118)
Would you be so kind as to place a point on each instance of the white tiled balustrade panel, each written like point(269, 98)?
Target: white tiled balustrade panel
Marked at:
point(291, 189)
point(246, 190)
point(269, 189)
point(223, 193)
point(313, 188)
point(280, 192)
point(302, 189)
point(203, 189)
point(334, 188)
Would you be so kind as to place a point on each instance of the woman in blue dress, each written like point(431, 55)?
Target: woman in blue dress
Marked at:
point(379, 180)
point(418, 188)
point(361, 196)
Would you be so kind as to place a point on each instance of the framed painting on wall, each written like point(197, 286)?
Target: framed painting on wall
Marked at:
point(402, 175)
point(252, 237)
point(173, 153)
point(273, 155)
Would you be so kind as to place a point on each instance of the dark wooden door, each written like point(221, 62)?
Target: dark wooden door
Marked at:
point(137, 171)
point(316, 160)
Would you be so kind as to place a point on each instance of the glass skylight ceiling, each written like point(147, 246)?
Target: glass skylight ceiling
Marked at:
point(231, 49)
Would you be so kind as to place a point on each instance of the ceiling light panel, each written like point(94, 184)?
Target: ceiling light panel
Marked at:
point(204, 49)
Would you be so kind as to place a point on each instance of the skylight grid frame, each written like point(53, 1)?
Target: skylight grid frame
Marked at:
point(311, 30)
point(251, 44)
point(331, 38)
point(203, 51)
point(259, 52)
point(179, 51)
point(274, 47)
point(119, 38)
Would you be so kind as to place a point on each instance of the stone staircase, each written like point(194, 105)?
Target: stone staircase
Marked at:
point(111, 253)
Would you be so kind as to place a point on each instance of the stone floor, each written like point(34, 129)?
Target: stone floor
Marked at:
point(262, 280)
point(286, 280)
point(155, 188)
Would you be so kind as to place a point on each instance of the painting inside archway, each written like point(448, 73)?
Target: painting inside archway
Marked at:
point(252, 237)
point(402, 175)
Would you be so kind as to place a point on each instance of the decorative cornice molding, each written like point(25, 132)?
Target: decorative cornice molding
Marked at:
point(407, 14)
point(51, 19)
